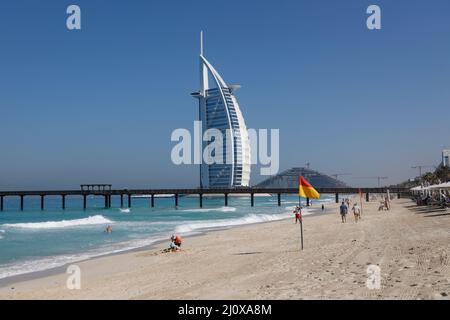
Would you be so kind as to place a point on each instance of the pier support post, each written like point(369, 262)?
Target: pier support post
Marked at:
point(129, 201)
point(21, 203)
point(176, 199)
point(337, 197)
point(252, 199)
point(42, 202)
point(121, 200)
point(84, 202)
point(63, 201)
point(201, 200)
point(279, 199)
point(153, 200)
point(107, 201)
point(367, 197)
point(226, 199)
point(1, 203)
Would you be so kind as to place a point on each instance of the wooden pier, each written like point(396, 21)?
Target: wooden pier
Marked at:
point(108, 193)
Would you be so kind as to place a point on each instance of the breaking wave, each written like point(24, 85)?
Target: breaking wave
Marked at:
point(221, 209)
point(224, 223)
point(98, 219)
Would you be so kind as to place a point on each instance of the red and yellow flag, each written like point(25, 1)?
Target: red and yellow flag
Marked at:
point(306, 190)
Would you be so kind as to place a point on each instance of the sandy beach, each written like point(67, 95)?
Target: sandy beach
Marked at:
point(263, 261)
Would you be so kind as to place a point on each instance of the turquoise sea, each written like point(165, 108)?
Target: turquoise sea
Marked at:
point(35, 240)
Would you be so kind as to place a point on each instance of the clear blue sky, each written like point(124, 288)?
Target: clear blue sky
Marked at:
point(99, 105)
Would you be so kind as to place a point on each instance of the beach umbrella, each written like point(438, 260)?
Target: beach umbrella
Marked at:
point(445, 185)
point(418, 188)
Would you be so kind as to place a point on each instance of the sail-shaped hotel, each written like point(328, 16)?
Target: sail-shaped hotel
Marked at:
point(219, 109)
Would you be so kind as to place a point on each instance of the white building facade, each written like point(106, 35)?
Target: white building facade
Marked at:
point(219, 109)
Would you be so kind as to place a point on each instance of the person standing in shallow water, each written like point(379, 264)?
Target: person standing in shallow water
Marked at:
point(343, 210)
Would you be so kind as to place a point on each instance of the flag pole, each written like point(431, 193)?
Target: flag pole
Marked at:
point(301, 217)
point(305, 190)
point(301, 227)
point(360, 201)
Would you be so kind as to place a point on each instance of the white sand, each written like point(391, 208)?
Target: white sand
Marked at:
point(263, 261)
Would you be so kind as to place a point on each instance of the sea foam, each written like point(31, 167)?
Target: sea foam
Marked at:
point(97, 219)
point(248, 219)
point(221, 209)
point(224, 223)
point(46, 263)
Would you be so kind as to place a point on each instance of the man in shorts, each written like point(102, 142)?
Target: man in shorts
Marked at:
point(357, 212)
point(343, 210)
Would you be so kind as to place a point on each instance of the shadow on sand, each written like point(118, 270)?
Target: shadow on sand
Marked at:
point(429, 211)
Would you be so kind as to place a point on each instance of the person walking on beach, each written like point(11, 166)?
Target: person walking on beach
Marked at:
point(343, 210)
point(387, 203)
point(323, 207)
point(357, 212)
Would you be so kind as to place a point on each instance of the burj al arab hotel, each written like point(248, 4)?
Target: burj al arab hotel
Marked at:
point(219, 109)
